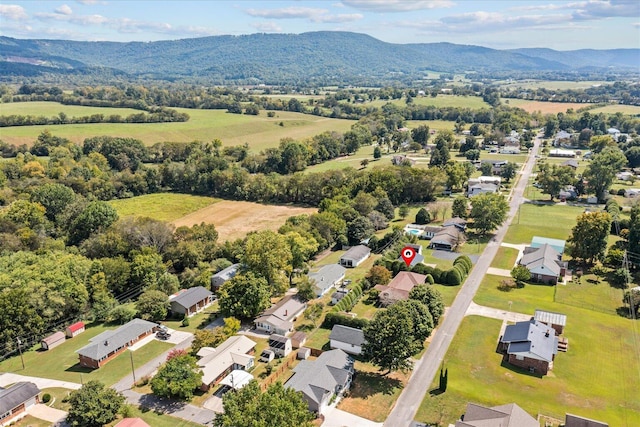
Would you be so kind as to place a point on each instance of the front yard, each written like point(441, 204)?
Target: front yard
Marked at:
point(61, 363)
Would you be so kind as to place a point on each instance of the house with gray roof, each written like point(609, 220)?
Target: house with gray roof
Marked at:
point(481, 188)
point(16, 400)
point(236, 352)
point(326, 278)
point(355, 256)
point(111, 343)
point(530, 345)
point(191, 301)
point(571, 420)
point(346, 338)
point(280, 317)
point(222, 276)
point(319, 380)
point(449, 238)
point(544, 263)
point(510, 415)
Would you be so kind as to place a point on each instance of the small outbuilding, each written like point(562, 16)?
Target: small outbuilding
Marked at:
point(556, 320)
point(280, 345)
point(355, 256)
point(348, 339)
point(304, 353)
point(298, 339)
point(74, 329)
point(53, 340)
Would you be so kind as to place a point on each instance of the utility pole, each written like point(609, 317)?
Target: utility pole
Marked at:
point(20, 350)
point(133, 371)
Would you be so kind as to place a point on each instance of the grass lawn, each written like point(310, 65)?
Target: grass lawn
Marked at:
point(156, 420)
point(372, 395)
point(534, 220)
point(590, 293)
point(505, 258)
point(30, 421)
point(318, 338)
point(204, 125)
point(364, 309)
point(448, 293)
point(61, 363)
point(458, 101)
point(57, 395)
point(579, 383)
point(197, 321)
point(161, 206)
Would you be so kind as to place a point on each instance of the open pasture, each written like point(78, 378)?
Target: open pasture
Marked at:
point(552, 84)
point(458, 101)
point(633, 110)
point(161, 206)
point(259, 132)
point(543, 106)
point(235, 219)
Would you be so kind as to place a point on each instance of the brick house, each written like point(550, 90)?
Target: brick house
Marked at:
point(109, 344)
point(529, 345)
point(16, 400)
point(190, 301)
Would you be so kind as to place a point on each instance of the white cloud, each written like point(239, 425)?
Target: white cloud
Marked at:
point(398, 5)
point(636, 24)
point(64, 10)
point(267, 27)
point(287, 12)
point(338, 19)
point(599, 9)
point(87, 1)
point(13, 12)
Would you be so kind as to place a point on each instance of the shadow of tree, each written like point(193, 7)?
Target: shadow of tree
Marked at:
point(78, 368)
point(435, 392)
point(160, 405)
point(367, 384)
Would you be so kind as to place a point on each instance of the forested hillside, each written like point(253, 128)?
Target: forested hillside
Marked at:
point(292, 58)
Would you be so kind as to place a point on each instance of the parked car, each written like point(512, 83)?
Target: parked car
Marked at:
point(163, 335)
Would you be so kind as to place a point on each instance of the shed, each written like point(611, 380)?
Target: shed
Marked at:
point(53, 340)
point(74, 329)
point(298, 339)
point(280, 345)
point(556, 320)
point(304, 353)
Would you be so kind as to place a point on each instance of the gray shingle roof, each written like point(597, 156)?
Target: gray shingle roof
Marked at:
point(319, 377)
point(357, 253)
point(327, 276)
point(16, 395)
point(544, 256)
point(347, 335)
point(228, 273)
point(109, 341)
point(510, 415)
point(192, 296)
point(530, 339)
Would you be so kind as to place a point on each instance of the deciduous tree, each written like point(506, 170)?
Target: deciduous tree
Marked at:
point(602, 170)
point(244, 296)
point(153, 305)
point(589, 236)
point(430, 297)
point(488, 211)
point(268, 254)
point(93, 405)
point(178, 378)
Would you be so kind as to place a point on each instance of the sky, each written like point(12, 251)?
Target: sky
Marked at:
point(505, 24)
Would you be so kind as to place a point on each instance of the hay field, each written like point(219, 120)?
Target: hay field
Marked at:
point(235, 219)
point(458, 101)
point(161, 206)
point(205, 125)
point(543, 106)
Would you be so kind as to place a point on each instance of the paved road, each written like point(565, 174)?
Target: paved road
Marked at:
point(171, 407)
point(426, 368)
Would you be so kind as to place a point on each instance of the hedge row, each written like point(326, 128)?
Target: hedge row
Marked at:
point(340, 319)
point(349, 300)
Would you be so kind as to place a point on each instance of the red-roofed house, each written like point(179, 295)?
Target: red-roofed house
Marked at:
point(75, 329)
point(398, 289)
point(132, 422)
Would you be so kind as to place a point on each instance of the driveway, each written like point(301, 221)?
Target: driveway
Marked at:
point(334, 417)
point(214, 403)
point(499, 272)
point(9, 378)
point(170, 407)
point(494, 313)
point(44, 412)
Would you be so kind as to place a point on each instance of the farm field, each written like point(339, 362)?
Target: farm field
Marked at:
point(473, 102)
point(633, 110)
point(259, 132)
point(543, 106)
point(61, 363)
point(235, 219)
point(553, 84)
point(161, 206)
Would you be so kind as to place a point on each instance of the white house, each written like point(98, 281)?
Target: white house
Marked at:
point(326, 278)
point(280, 345)
point(348, 339)
point(279, 318)
point(476, 189)
point(355, 256)
point(222, 276)
point(216, 363)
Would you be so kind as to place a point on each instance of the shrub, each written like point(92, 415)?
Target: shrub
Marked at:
point(621, 192)
point(453, 277)
point(506, 285)
point(438, 275)
point(463, 259)
point(268, 369)
point(423, 216)
point(429, 279)
point(339, 319)
point(46, 398)
point(185, 322)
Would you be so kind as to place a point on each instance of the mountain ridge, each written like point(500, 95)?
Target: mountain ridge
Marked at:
point(268, 58)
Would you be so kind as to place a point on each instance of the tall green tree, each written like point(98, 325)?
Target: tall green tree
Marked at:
point(178, 378)
point(589, 236)
point(94, 217)
point(553, 178)
point(488, 211)
point(509, 170)
point(93, 405)
point(430, 297)
point(277, 406)
point(153, 305)
point(389, 340)
point(460, 207)
point(54, 197)
point(602, 170)
point(302, 249)
point(634, 229)
point(244, 296)
point(268, 254)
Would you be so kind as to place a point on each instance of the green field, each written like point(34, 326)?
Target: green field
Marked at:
point(473, 102)
point(49, 109)
point(552, 84)
point(596, 378)
point(553, 221)
point(61, 363)
point(633, 110)
point(161, 206)
point(205, 125)
point(505, 258)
